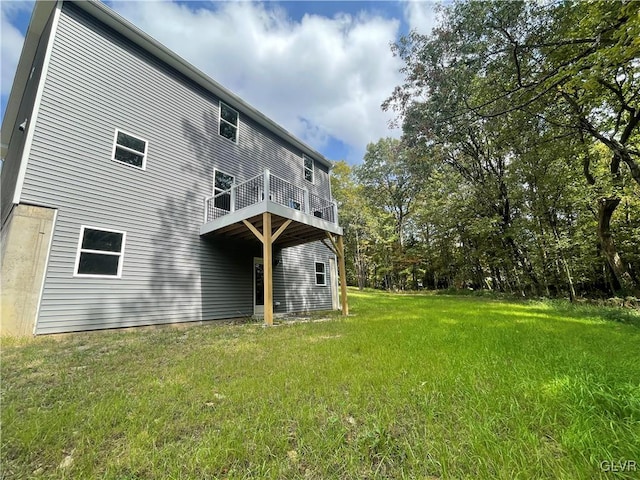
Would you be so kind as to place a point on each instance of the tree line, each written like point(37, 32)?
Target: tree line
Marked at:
point(519, 165)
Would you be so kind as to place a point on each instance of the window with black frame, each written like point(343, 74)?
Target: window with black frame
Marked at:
point(321, 274)
point(100, 253)
point(130, 150)
point(222, 184)
point(228, 127)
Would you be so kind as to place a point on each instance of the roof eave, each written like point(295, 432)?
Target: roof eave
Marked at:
point(39, 18)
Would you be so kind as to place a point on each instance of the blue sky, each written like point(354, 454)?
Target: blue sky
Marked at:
point(320, 69)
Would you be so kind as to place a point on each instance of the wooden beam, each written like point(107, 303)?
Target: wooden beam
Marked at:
point(333, 242)
point(280, 230)
point(331, 249)
point(255, 230)
point(268, 268)
point(343, 276)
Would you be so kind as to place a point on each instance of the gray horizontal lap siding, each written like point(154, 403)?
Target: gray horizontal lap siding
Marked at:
point(97, 82)
point(295, 279)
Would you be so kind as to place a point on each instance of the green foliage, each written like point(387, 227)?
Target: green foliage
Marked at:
point(378, 201)
point(411, 386)
point(359, 223)
point(527, 117)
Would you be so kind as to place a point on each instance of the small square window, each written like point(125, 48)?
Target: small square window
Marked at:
point(130, 150)
point(308, 168)
point(228, 123)
point(100, 253)
point(321, 274)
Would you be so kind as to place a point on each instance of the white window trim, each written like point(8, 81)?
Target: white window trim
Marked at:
point(305, 169)
point(102, 252)
point(115, 144)
point(316, 273)
point(220, 119)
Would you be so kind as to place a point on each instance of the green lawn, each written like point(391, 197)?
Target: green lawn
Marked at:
point(409, 386)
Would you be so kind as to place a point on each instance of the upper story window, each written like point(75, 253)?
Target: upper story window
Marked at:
point(308, 168)
point(222, 183)
point(130, 150)
point(228, 122)
point(100, 253)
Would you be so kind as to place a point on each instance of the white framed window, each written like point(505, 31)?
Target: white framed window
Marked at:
point(228, 122)
point(321, 274)
point(100, 253)
point(307, 164)
point(222, 182)
point(129, 149)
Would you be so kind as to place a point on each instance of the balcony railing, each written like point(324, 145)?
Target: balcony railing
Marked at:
point(279, 191)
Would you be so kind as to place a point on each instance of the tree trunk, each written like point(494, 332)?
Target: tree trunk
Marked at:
point(521, 260)
point(361, 271)
point(495, 271)
point(606, 207)
point(563, 260)
point(572, 290)
point(544, 260)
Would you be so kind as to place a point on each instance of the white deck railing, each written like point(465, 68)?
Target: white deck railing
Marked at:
point(280, 191)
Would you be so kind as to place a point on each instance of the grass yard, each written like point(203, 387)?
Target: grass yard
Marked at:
point(409, 386)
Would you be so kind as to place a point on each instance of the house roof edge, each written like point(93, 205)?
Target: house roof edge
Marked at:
point(40, 16)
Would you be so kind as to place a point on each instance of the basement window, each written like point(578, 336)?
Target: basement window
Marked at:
point(228, 123)
point(100, 253)
point(130, 150)
point(321, 274)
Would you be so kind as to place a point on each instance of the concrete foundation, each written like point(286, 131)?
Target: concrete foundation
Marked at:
point(26, 239)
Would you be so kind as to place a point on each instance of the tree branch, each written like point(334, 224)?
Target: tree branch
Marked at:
point(618, 93)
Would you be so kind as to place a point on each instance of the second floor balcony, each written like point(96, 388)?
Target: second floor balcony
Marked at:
point(314, 216)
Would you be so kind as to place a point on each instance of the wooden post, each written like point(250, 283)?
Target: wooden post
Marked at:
point(266, 186)
point(268, 268)
point(233, 199)
point(306, 207)
point(343, 276)
point(267, 238)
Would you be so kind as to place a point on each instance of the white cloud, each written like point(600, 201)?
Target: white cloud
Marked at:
point(318, 77)
point(321, 78)
point(421, 15)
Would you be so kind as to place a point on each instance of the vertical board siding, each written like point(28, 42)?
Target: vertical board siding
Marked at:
point(97, 82)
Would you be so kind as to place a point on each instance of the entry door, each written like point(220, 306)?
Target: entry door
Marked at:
point(258, 286)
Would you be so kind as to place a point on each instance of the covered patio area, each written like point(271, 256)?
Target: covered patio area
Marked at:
point(286, 217)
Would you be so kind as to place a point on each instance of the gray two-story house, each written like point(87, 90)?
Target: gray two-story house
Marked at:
point(138, 191)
